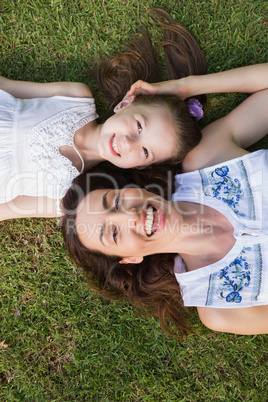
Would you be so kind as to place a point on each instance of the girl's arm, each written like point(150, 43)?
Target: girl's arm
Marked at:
point(27, 90)
point(242, 321)
point(28, 207)
point(244, 79)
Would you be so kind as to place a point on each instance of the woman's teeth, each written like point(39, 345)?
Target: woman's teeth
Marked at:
point(149, 221)
point(114, 145)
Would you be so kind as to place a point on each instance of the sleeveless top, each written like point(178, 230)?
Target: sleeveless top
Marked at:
point(238, 189)
point(31, 133)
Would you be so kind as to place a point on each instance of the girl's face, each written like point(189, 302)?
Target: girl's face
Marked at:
point(138, 136)
point(127, 223)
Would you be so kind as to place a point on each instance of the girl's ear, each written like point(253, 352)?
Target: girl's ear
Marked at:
point(131, 260)
point(126, 101)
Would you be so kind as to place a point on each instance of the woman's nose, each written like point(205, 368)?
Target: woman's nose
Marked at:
point(129, 217)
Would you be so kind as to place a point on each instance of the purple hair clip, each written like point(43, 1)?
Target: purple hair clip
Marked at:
point(195, 109)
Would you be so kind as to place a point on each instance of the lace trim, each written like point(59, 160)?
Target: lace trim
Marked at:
point(82, 160)
point(44, 140)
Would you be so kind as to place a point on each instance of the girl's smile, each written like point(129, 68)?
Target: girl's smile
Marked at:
point(114, 146)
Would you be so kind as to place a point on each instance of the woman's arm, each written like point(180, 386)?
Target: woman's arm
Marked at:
point(27, 90)
point(242, 321)
point(245, 125)
point(29, 207)
point(244, 79)
point(226, 138)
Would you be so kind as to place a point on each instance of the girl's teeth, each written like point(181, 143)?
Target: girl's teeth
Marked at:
point(114, 145)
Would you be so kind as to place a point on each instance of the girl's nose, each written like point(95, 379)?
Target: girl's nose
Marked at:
point(129, 143)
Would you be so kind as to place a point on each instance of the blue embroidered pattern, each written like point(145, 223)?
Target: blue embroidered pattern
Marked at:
point(218, 184)
point(229, 283)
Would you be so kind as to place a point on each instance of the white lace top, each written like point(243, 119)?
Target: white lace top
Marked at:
point(238, 189)
point(31, 133)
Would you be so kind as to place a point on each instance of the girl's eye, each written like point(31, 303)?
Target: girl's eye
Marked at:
point(146, 153)
point(139, 127)
point(115, 235)
point(116, 202)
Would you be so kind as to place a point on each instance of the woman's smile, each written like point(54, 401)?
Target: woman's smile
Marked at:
point(154, 220)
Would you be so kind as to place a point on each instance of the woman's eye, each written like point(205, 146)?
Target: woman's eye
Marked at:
point(146, 153)
point(115, 235)
point(139, 127)
point(116, 202)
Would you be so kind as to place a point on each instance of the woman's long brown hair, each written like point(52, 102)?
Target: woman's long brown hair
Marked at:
point(151, 284)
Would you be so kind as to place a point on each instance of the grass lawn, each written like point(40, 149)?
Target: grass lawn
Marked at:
point(59, 341)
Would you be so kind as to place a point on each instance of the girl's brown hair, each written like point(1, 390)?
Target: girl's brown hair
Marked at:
point(151, 284)
point(183, 57)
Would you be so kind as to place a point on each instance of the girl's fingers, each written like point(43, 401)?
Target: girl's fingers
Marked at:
point(141, 88)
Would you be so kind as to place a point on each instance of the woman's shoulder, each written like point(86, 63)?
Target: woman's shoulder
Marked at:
point(193, 163)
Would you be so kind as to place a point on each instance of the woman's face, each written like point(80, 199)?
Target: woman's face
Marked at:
point(138, 136)
point(127, 223)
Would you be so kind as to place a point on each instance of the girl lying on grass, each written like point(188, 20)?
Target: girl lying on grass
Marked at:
point(215, 226)
point(49, 133)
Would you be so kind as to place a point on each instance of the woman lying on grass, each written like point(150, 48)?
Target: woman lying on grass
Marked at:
point(126, 239)
point(49, 133)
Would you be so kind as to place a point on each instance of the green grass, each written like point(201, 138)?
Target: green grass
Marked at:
point(68, 344)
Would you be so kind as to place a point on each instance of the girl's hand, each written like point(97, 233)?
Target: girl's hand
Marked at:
point(172, 87)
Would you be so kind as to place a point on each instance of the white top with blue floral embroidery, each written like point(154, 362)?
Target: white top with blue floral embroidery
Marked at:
point(239, 190)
